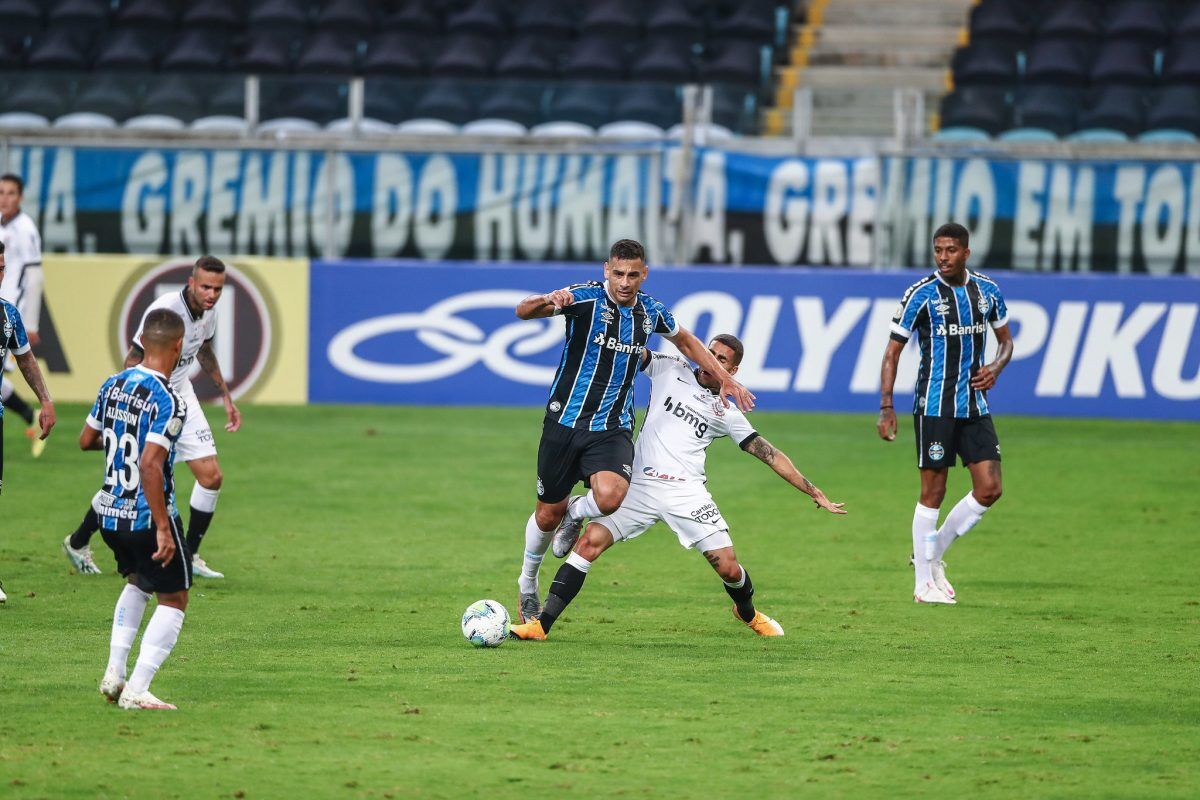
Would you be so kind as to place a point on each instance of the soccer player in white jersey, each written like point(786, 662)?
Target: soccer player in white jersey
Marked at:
point(22, 286)
point(669, 484)
point(195, 304)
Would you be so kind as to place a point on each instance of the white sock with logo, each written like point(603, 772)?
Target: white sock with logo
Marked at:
point(584, 508)
point(964, 516)
point(127, 618)
point(157, 642)
point(537, 541)
point(924, 534)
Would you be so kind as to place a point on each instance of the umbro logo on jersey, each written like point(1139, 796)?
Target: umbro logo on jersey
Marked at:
point(628, 470)
point(942, 308)
point(606, 316)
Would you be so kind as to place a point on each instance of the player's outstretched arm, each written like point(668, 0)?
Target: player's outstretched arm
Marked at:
point(692, 348)
point(886, 424)
point(537, 306)
point(33, 376)
point(986, 377)
point(134, 356)
point(778, 460)
point(153, 457)
point(90, 439)
point(208, 363)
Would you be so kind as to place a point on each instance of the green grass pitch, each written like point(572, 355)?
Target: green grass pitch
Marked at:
point(330, 663)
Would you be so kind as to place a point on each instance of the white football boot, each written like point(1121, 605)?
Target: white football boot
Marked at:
point(938, 568)
point(144, 702)
point(930, 593)
point(111, 685)
point(81, 559)
point(203, 570)
point(3, 596)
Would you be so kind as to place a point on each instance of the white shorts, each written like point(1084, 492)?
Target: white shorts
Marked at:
point(196, 439)
point(690, 511)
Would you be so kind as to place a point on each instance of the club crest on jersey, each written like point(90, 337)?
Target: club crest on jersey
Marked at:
point(647, 325)
point(936, 451)
point(984, 304)
point(174, 426)
point(541, 490)
point(8, 330)
point(555, 406)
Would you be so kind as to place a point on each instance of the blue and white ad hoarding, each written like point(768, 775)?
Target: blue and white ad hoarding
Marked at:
point(445, 334)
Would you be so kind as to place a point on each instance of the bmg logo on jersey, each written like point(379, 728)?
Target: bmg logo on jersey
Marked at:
point(243, 342)
point(681, 412)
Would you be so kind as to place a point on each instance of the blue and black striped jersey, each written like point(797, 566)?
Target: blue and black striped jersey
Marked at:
point(135, 407)
point(593, 387)
point(13, 338)
point(951, 324)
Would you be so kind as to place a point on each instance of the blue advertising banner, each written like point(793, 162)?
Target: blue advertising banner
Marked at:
point(445, 334)
point(741, 208)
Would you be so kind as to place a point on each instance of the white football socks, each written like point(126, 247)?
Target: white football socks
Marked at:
point(6, 389)
point(924, 534)
point(584, 508)
point(537, 541)
point(157, 642)
point(204, 499)
point(579, 562)
point(964, 516)
point(127, 618)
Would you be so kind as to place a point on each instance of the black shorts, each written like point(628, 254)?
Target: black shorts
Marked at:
point(134, 549)
point(940, 439)
point(569, 455)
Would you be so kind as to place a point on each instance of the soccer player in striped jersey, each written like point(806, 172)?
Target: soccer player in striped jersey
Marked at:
point(586, 434)
point(137, 419)
point(950, 312)
point(22, 286)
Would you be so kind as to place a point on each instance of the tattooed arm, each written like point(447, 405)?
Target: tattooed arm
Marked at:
point(134, 356)
point(33, 376)
point(208, 363)
point(778, 460)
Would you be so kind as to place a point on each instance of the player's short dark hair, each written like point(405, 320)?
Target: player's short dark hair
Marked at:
point(734, 344)
point(952, 230)
point(627, 250)
point(14, 178)
point(1, 248)
point(208, 264)
point(162, 327)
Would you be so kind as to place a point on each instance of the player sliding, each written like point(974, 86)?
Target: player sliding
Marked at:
point(586, 431)
point(195, 305)
point(137, 419)
point(669, 484)
point(950, 312)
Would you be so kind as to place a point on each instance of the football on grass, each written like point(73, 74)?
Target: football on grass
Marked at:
point(485, 623)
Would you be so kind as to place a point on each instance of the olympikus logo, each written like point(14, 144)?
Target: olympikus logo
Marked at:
point(682, 412)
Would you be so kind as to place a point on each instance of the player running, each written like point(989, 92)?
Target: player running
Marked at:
point(195, 306)
point(137, 420)
point(669, 484)
point(589, 416)
point(949, 311)
point(22, 286)
point(14, 340)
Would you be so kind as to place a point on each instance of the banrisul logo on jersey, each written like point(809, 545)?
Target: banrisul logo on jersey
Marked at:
point(243, 343)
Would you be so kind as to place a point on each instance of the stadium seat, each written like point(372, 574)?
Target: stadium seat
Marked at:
point(411, 16)
point(321, 102)
point(85, 121)
point(19, 19)
point(562, 129)
point(734, 108)
point(385, 100)
point(154, 122)
point(395, 53)
point(530, 57)
point(465, 56)
point(1167, 135)
point(1120, 108)
point(494, 127)
point(220, 123)
point(596, 58)
point(550, 18)
point(520, 103)
point(1124, 61)
point(1181, 64)
point(747, 19)
point(108, 96)
point(680, 18)
point(702, 135)
point(629, 129)
point(65, 49)
point(999, 19)
point(581, 104)
point(1140, 19)
point(1057, 61)
point(367, 126)
point(620, 18)
point(984, 63)
point(961, 133)
point(358, 17)
point(1027, 135)
point(228, 99)
point(1098, 135)
point(171, 96)
point(216, 15)
point(149, 16)
point(663, 60)
point(479, 17)
point(450, 102)
point(10, 57)
point(279, 17)
point(1188, 24)
point(330, 52)
point(1072, 19)
point(126, 50)
point(659, 106)
point(984, 108)
point(1176, 108)
point(38, 95)
point(282, 127)
point(10, 120)
point(201, 50)
point(735, 62)
point(91, 15)
point(1051, 108)
point(269, 52)
point(427, 127)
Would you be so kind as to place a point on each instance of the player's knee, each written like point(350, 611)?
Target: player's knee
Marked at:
point(932, 498)
point(610, 499)
point(212, 480)
point(594, 541)
point(177, 600)
point(989, 494)
point(548, 517)
point(729, 570)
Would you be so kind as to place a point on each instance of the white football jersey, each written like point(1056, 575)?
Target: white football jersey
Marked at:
point(22, 252)
point(684, 418)
point(196, 331)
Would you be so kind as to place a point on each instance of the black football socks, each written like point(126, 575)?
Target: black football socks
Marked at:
point(742, 593)
point(567, 583)
point(83, 534)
